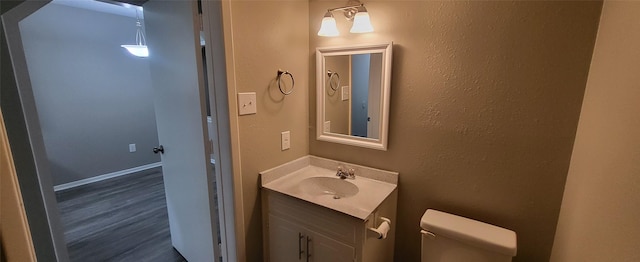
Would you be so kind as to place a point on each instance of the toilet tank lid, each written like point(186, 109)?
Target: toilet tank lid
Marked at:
point(470, 231)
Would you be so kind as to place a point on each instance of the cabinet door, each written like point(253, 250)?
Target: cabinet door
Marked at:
point(287, 240)
point(325, 249)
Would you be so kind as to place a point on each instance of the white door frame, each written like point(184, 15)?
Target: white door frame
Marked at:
point(230, 206)
point(10, 22)
point(229, 185)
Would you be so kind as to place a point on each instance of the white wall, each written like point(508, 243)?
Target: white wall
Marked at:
point(93, 98)
point(600, 214)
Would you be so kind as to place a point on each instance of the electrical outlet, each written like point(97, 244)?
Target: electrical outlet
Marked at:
point(327, 127)
point(132, 148)
point(285, 140)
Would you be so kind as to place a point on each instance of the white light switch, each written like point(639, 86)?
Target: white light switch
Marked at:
point(345, 93)
point(247, 103)
point(132, 148)
point(285, 140)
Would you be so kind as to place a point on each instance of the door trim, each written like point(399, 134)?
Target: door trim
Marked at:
point(220, 73)
point(40, 199)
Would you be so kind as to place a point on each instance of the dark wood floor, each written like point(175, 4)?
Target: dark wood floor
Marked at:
point(120, 219)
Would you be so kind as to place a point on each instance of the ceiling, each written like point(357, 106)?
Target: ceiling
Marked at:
point(116, 7)
point(103, 6)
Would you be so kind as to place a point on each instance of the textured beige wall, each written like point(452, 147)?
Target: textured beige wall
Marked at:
point(336, 109)
point(485, 102)
point(267, 36)
point(600, 215)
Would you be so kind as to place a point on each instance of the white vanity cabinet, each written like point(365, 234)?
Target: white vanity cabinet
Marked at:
point(308, 214)
point(296, 230)
point(285, 235)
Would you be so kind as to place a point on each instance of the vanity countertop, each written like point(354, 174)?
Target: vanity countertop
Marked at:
point(374, 185)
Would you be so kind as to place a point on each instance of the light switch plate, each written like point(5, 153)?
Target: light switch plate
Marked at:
point(247, 103)
point(132, 148)
point(327, 126)
point(285, 140)
point(345, 93)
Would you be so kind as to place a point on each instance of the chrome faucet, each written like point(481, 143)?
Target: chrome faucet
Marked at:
point(350, 173)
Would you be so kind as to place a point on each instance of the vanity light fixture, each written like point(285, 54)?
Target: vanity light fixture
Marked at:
point(140, 48)
point(356, 13)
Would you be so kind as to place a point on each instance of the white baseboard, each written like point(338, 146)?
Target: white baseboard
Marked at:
point(105, 176)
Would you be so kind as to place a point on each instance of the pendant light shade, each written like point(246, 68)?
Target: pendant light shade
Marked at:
point(137, 50)
point(361, 22)
point(140, 48)
point(328, 27)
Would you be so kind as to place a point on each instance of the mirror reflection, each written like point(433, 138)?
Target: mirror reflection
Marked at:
point(353, 88)
point(352, 101)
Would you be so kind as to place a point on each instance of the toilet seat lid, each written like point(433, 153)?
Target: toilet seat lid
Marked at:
point(470, 231)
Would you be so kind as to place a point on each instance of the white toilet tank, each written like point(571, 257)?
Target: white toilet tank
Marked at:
point(451, 238)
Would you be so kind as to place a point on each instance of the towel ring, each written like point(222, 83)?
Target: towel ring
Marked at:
point(333, 75)
point(279, 78)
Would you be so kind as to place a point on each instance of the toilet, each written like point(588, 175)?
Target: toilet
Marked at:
point(451, 238)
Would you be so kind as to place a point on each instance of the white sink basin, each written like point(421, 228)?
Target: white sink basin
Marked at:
point(338, 188)
point(313, 179)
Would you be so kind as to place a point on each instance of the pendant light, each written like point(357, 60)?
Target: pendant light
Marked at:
point(140, 48)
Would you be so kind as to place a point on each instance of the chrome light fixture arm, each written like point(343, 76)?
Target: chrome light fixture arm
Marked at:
point(349, 11)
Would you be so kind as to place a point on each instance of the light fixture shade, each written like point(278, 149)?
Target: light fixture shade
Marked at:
point(361, 22)
point(137, 50)
point(328, 27)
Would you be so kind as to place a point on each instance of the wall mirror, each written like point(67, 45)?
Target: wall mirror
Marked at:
point(353, 85)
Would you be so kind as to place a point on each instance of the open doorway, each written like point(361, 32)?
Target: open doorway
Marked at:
point(32, 115)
